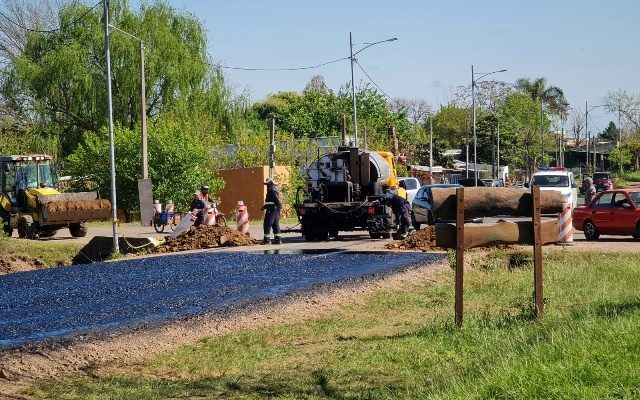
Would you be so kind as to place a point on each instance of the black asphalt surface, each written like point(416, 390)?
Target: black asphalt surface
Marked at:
point(61, 302)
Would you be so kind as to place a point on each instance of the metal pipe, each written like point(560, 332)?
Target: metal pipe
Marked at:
point(353, 95)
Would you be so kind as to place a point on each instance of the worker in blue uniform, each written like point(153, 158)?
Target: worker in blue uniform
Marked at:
point(272, 207)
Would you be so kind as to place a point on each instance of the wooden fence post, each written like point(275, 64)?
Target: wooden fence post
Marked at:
point(537, 253)
point(459, 256)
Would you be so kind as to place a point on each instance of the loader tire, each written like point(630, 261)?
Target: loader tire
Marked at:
point(26, 228)
point(8, 230)
point(78, 229)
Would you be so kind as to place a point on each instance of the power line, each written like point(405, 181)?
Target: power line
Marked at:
point(378, 86)
point(281, 69)
point(50, 30)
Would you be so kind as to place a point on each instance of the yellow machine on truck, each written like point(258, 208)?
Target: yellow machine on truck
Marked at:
point(30, 203)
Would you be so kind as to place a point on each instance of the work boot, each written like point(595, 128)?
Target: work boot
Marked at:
point(277, 241)
point(411, 230)
point(266, 240)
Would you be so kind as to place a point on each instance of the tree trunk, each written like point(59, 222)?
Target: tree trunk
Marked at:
point(491, 202)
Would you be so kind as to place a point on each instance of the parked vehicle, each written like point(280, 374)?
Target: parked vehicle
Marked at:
point(612, 212)
point(470, 182)
point(557, 179)
point(602, 181)
point(343, 192)
point(422, 204)
point(493, 182)
point(412, 185)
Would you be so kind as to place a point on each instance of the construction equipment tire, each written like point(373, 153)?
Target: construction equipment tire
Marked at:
point(8, 230)
point(78, 229)
point(26, 228)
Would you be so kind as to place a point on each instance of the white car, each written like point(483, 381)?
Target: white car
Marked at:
point(411, 185)
point(558, 179)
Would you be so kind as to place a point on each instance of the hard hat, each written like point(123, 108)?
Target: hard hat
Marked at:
point(204, 188)
point(268, 181)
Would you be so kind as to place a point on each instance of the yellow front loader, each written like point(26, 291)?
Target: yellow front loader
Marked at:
point(30, 203)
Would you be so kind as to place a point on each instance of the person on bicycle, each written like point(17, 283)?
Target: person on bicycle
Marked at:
point(204, 194)
point(272, 207)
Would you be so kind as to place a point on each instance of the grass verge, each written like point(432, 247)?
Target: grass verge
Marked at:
point(402, 344)
point(49, 252)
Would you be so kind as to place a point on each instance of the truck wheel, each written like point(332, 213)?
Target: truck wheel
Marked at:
point(78, 229)
point(323, 236)
point(385, 235)
point(375, 235)
point(415, 223)
point(333, 233)
point(310, 236)
point(590, 231)
point(26, 228)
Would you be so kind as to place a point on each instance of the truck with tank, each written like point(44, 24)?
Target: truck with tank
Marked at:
point(343, 192)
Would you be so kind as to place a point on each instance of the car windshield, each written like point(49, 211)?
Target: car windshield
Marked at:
point(551, 180)
point(635, 197)
point(410, 184)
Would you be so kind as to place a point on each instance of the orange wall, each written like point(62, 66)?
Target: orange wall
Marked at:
point(247, 184)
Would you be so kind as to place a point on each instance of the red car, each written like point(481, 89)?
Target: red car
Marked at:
point(612, 212)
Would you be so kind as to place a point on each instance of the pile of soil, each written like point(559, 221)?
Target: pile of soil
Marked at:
point(424, 240)
point(74, 205)
point(11, 264)
point(205, 237)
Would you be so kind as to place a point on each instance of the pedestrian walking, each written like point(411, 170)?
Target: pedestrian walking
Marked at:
point(589, 190)
point(272, 207)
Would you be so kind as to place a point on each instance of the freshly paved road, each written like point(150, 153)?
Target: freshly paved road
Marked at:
point(58, 302)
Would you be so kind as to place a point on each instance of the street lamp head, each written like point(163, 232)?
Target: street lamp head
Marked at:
point(502, 70)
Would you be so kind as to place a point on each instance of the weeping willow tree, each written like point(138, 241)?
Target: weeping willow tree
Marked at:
point(59, 78)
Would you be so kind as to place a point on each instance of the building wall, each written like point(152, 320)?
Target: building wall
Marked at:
point(247, 184)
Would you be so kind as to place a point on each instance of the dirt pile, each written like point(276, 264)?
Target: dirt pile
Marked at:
point(75, 205)
point(205, 237)
point(424, 240)
point(11, 264)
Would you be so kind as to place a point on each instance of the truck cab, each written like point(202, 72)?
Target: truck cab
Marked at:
point(558, 179)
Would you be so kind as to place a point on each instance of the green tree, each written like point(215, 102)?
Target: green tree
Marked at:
point(60, 80)
point(451, 127)
point(520, 132)
point(179, 163)
point(552, 96)
point(610, 133)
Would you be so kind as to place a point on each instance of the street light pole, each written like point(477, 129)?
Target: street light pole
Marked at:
point(473, 105)
point(353, 86)
point(541, 133)
point(620, 137)
point(112, 153)
point(353, 95)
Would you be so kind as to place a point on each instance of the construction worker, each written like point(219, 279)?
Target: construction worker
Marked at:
point(204, 194)
point(589, 190)
point(402, 209)
point(272, 207)
point(402, 190)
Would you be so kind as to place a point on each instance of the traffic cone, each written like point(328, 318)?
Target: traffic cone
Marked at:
point(242, 218)
point(565, 225)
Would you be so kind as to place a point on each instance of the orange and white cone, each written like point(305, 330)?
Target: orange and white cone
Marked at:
point(565, 225)
point(242, 218)
point(208, 216)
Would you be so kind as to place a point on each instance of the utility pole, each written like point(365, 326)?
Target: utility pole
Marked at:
point(498, 151)
point(272, 148)
point(620, 137)
point(473, 105)
point(431, 148)
point(344, 130)
point(353, 96)
point(586, 129)
point(541, 133)
point(143, 117)
point(112, 153)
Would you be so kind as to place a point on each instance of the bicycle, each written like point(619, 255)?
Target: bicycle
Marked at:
point(160, 219)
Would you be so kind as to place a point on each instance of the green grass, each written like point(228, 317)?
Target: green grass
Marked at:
point(632, 176)
point(402, 344)
point(50, 252)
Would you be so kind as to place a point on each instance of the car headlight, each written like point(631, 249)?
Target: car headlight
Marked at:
point(566, 195)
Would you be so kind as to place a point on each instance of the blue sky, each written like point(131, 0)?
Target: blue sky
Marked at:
point(587, 48)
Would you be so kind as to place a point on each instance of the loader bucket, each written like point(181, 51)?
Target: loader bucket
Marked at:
point(74, 208)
